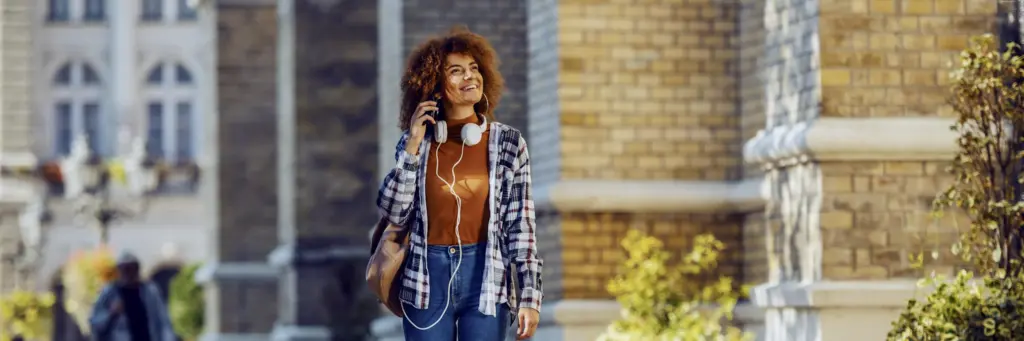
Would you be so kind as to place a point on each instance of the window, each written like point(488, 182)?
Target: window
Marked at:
point(63, 76)
point(89, 75)
point(186, 12)
point(173, 112)
point(184, 132)
point(155, 134)
point(95, 10)
point(63, 125)
point(152, 10)
point(91, 119)
point(156, 75)
point(59, 11)
point(182, 75)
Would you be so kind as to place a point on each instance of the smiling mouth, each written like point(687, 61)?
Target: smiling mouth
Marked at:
point(469, 87)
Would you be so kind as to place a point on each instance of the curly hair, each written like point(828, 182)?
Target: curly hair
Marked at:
point(425, 76)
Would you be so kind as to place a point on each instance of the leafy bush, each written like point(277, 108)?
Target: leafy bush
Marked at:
point(662, 302)
point(186, 303)
point(26, 314)
point(84, 275)
point(989, 102)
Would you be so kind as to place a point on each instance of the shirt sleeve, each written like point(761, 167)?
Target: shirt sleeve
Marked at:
point(522, 232)
point(398, 192)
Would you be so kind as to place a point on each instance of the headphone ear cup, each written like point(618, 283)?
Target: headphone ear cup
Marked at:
point(471, 134)
point(441, 132)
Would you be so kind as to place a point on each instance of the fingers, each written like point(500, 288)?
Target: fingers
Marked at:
point(430, 103)
point(527, 326)
point(519, 331)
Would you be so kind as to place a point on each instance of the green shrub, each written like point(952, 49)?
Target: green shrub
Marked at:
point(662, 302)
point(989, 103)
point(186, 303)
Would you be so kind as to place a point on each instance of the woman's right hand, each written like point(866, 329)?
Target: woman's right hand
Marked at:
point(418, 127)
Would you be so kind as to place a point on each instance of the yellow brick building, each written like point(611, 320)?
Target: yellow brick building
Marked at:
point(810, 135)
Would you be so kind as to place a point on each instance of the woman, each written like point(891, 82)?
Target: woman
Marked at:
point(456, 281)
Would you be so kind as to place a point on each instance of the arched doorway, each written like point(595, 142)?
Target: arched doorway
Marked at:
point(64, 327)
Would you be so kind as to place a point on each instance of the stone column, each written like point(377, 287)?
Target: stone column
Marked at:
point(327, 167)
point(855, 139)
point(239, 188)
point(124, 83)
point(16, 56)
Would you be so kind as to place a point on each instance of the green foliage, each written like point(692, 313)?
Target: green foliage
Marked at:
point(26, 314)
point(672, 303)
point(989, 102)
point(185, 303)
point(963, 310)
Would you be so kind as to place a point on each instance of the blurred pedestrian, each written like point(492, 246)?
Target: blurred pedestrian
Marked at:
point(462, 186)
point(130, 309)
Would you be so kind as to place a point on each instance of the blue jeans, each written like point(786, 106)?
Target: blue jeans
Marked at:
point(463, 319)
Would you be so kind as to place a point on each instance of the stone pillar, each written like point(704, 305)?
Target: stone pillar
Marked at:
point(635, 107)
point(240, 190)
point(124, 83)
point(327, 167)
point(855, 139)
point(16, 56)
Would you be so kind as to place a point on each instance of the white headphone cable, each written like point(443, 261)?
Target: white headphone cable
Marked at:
point(458, 237)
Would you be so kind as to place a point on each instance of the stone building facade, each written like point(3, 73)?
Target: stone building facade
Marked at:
point(809, 135)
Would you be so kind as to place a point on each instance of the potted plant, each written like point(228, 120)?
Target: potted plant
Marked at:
point(26, 315)
point(84, 276)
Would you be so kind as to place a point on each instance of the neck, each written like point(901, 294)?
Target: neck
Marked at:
point(459, 112)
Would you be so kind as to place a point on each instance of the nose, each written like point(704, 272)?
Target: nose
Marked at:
point(469, 75)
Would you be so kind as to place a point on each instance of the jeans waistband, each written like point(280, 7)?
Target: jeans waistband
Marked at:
point(467, 249)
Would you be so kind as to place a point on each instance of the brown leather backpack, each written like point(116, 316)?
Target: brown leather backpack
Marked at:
point(389, 245)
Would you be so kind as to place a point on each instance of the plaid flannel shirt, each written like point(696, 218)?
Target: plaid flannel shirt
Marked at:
point(512, 226)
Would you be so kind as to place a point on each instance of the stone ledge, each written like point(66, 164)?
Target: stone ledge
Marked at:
point(304, 333)
point(641, 196)
point(581, 312)
point(236, 270)
point(845, 294)
point(234, 337)
point(18, 160)
point(855, 139)
point(570, 320)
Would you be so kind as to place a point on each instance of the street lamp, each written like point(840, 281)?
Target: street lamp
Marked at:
point(103, 193)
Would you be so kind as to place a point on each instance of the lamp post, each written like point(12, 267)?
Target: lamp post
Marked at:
point(103, 193)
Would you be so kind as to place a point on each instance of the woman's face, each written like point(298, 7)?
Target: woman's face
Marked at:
point(464, 85)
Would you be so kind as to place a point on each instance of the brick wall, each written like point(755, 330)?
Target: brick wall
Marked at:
point(654, 84)
point(891, 58)
point(876, 214)
point(884, 59)
point(502, 22)
point(246, 163)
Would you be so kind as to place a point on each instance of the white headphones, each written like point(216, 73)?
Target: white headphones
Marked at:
point(471, 132)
